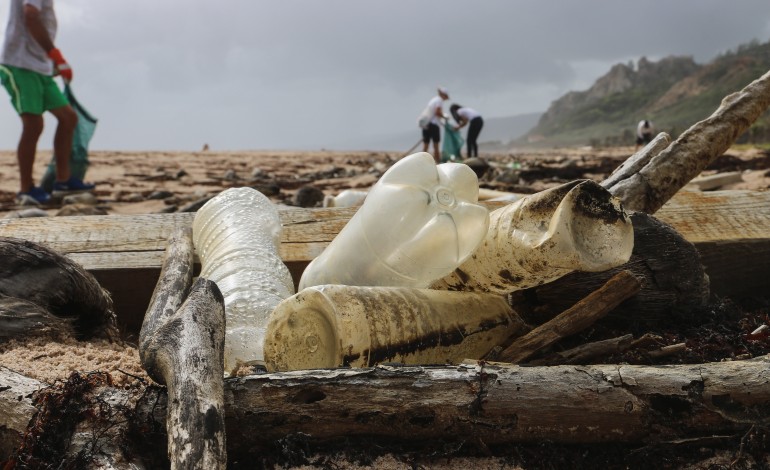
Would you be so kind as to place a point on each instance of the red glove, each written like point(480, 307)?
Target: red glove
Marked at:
point(60, 65)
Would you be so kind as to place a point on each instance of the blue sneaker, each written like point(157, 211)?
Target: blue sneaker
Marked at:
point(37, 194)
point(71, 186)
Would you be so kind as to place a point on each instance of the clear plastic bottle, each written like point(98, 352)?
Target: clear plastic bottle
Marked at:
point(332, 326)
point(418, 223)
point(236, 235)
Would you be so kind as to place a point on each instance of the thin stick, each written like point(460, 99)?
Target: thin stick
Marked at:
point(581, 315)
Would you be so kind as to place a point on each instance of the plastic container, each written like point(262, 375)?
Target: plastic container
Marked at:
point(578, 226)
point(347, 198)
point(418, 223)
point(332, 326)
point(236, 235)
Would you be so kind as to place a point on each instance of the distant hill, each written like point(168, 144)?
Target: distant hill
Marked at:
point(674, 93)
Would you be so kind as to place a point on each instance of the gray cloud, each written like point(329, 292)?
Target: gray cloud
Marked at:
point(303, 73)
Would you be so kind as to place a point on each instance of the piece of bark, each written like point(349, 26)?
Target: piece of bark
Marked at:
point(183, 348)
point(583, 314)
point(19, 318)
point(584, 353)
point(16, 408)
point(34, 273)
point(666, 173)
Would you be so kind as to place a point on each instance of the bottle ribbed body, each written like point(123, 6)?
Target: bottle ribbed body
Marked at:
point(236, 236)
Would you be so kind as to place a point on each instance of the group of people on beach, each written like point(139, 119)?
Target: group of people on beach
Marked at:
point(431, 118)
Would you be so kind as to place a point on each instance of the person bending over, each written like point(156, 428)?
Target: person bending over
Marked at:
point(464, 115)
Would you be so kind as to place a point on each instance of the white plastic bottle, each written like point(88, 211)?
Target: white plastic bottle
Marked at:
point(578, 226)
point(417, 224)
point(347, 198)
point(352, 326)
point(236, 235)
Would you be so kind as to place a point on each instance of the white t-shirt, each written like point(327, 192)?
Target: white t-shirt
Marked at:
point(20, 48)
point(641, 130)
point(435, 103)
point(468, 113)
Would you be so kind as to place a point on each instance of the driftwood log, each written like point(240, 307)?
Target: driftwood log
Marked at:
point(42, 290)
point(494, 404)
point(649, 188)
point(181, 345)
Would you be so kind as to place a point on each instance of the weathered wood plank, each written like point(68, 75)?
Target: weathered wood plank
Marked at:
point(138, 241)
point(730, 229)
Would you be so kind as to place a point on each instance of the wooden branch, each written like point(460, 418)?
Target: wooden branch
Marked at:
point(585, 352)
point(171, 290)
point(582, 315)
point(665, 174)
point(637, 161)
point(184, 349)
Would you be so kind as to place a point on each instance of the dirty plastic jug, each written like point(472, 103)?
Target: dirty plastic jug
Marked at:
point(236, 235)
point(352, 326)
point(578, 226)
point(417, 224)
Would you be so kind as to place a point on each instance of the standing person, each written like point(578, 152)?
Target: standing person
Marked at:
point(644, 131)
point(430, 121)
point(28, 62)
point(464, 115)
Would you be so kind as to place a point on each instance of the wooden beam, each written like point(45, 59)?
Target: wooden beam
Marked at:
point(730, 229)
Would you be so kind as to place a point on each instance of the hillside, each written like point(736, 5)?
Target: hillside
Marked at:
point(674, 93)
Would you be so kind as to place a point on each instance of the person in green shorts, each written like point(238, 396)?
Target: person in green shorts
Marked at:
point(28, 62)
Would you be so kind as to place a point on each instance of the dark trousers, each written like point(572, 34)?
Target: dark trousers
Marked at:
point(474, 129)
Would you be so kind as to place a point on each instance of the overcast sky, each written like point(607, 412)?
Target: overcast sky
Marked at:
point(306, 74)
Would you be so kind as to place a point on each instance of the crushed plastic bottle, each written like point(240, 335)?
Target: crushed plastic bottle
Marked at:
point(236, 235)
point(418, 223)
point(578, 226)
point(351, 326)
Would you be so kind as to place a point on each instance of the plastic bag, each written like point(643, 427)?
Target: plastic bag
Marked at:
point(451, 150)
point(80, 140)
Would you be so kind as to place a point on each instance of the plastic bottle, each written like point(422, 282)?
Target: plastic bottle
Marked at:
point(236, 235)
point(347, 198)
point(578, 226)
point(331, 326)
point(418, 223)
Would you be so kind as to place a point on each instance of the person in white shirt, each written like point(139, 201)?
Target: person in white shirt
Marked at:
point(468, 116)
point(644, 131)
point(28, 61)
point(432, 116)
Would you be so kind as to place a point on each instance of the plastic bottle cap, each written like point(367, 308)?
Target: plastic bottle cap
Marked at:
point(445, 197)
